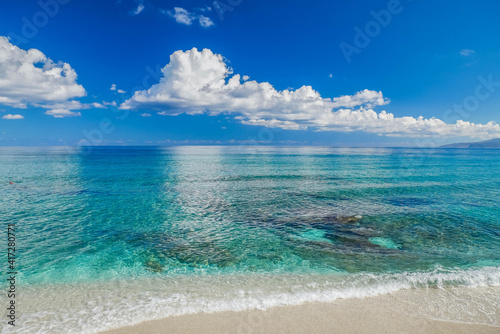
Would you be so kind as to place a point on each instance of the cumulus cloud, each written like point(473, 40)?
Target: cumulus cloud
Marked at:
point(467, 52)
point(30, 77)
point(10, 116)
point(183, 16)
point(113, 87)
point(196, 82)
point(61, 113)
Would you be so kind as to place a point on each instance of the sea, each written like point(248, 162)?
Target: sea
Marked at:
point(113, 236)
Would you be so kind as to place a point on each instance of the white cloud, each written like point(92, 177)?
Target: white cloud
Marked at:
point(196, 82)
point(246, 78)
point(205, 22)
point(113, 103)
point(113, 88)
point(30, 77)
point(139, 9)
point(204, 9)
point(10, 116)
point(368, 98)
point(63, 109)
point(61, 113)
point(183, 16)
point(467, 52)
point(97, 105)
point(146, 114)
point(71, 105)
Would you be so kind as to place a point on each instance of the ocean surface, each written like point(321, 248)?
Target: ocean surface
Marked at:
point(113, 236)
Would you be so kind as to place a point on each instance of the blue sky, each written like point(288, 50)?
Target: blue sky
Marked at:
point(420, 58)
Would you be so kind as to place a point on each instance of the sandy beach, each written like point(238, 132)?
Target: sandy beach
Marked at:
point(411, 311)
point(249, 167)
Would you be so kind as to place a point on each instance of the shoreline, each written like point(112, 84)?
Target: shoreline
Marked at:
point(177, 305)
point(407, 311)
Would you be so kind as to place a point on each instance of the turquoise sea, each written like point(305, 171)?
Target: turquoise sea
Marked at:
point(108, 236)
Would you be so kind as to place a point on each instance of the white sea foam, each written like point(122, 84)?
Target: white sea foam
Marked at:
point(93, 307)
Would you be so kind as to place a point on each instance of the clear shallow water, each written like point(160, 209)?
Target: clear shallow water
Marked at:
point(210, 228)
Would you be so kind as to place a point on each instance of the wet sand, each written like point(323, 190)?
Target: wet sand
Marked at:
point(410, 311)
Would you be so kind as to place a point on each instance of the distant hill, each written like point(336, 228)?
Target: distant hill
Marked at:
point(494, 143)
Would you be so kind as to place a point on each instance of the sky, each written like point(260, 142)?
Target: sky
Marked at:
point(238, 72)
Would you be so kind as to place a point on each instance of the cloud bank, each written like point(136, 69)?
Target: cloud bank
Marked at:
point(30, 77)
point(196, 82)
